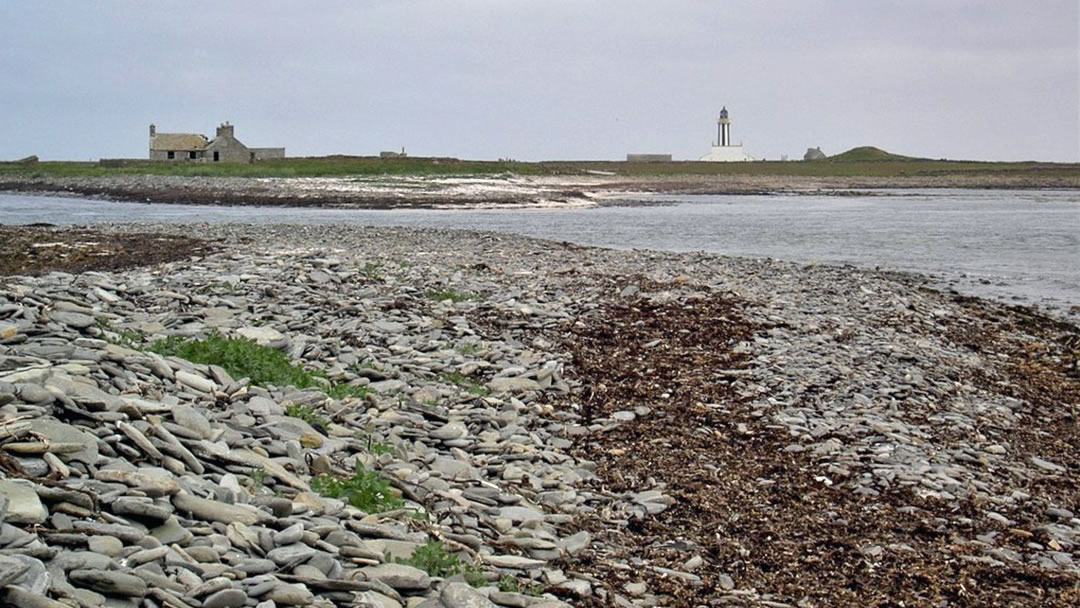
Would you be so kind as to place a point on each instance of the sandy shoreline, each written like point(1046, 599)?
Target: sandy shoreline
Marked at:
point(731, 430)
point(389, 192)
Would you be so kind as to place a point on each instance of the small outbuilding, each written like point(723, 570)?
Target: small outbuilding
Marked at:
point(814, 154)
point(648, 158)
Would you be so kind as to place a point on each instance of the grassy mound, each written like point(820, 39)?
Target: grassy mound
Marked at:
point(867, 153)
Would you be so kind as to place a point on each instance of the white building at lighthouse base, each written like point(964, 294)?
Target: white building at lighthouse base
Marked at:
point(727, 154)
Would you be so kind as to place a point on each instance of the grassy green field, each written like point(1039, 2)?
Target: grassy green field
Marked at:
point(859, 162)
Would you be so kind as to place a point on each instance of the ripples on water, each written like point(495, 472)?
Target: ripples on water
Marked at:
point(1019, 246)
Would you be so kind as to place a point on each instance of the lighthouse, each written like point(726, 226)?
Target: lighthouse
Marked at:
point(723, 151)
point(723, 129)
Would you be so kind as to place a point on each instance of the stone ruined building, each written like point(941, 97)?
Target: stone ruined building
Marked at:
point(723, 151)
point(192, 147)
point(814, 154)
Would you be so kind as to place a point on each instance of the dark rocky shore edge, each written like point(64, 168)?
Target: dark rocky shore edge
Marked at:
point(420, 192)
point(574, 426)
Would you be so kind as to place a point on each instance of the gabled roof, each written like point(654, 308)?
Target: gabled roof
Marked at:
point(178, 141)
point(222, 141)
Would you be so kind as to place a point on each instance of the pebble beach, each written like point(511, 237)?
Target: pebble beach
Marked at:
point(566, 426)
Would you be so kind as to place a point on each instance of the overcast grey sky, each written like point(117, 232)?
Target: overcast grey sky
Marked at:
point(544, 80)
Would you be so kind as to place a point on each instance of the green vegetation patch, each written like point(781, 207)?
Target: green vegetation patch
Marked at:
point(340, 391)
point(467, 383)
point(868, 153)
point(469, 348)
point(371, 270)
point(433, 558)
point(862, 161)
point(120, 337)
point(308, 414)
point(509, 584)
point(365, 490)
point(372, 446)
point(322, 166)
point(243, 358)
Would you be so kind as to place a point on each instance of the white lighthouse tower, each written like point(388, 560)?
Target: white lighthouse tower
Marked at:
point(723, 129)
point(723, 150)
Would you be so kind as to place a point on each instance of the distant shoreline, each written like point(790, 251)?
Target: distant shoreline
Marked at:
point(483, 191)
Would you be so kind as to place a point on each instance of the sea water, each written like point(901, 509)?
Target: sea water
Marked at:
point(1021, 246)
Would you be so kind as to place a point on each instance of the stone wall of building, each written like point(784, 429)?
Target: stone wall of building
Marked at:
point(178, 155)
point(225, 148)
point(266, 153)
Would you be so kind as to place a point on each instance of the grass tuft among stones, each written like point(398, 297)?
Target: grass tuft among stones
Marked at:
point(433, 558)
point(243, 358)
point(467, 383)
point(508, 583)
point(365, 490)
point(308, 414)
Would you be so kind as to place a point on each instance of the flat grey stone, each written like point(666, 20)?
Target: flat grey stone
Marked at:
point(261, 335)
point(512, 385)
point(289, 535)
point(17, 597)
point(24, 571)
point(520, 514)
point(387, 386)
point(395, 548)
point(23, 504)
point(109, 582)
point(212, 510)
point(255, 567)
point(203, 385)
point(290, 595)
point(576, 543)
point(155, 482)
point(290, 554)
point(12, 568)
point(512, 599)
point(35, 393)
point(59, 432)
point(398, 576)
point(450, 430)
point(80, 560)
point(127, 534)
point(461, 595)
point(105, 545)
point(319, 276)
point(309, 572)
point(89, 396)
point(192, 419)
point(388, 327)
point(72, 319)
point(452, 468)
point(146, 509)
point(226, 598)
point(172, 532)
point(516, 562)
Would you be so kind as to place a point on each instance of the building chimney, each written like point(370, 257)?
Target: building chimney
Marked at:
point(224, 129)
point(153, 130)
